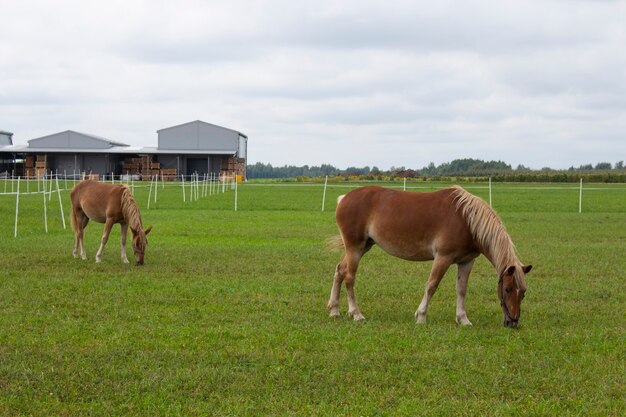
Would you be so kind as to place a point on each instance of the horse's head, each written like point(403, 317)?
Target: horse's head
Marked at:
point(511, 290)
point(140, 241)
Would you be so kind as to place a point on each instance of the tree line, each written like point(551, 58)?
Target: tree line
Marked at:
point(468, 167)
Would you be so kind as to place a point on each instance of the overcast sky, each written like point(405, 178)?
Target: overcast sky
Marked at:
point(350, 83)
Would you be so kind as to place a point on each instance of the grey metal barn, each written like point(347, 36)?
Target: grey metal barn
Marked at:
point(6, 138)
point(194, 147)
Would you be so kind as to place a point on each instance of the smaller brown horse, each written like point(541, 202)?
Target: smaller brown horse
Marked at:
point(108, 204)
point(450, 226)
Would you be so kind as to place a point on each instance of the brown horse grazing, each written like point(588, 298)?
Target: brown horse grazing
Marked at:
point(450, 226)
point(108, 204)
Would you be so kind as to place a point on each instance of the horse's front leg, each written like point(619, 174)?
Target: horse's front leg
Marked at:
point(105, 237)
point(438, 270)
point(461, 289)
point(123, 241)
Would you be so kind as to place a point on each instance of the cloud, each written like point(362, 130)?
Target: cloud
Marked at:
point(349, 83)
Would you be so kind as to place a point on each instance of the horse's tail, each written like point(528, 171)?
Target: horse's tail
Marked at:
point(334, 243)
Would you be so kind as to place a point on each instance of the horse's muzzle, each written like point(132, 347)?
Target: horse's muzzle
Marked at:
point(510, 323)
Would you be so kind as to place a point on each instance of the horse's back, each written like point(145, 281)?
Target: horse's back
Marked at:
point(409, 225)
point(97, 200)
point(383, 203)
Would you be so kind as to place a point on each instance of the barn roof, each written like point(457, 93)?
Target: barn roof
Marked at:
point(19, 149)
point(201, 122)
point(104, 141)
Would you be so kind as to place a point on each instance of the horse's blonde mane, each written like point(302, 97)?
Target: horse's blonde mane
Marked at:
point(489, 232)
point(130, 209)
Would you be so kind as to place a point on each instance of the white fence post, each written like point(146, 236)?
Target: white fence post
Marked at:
point(183, 186)
point(60, 203)
point(197, 187)
point(580, 197)
point(236, 195)
point(17, 206)
point(45, 208)
point(50, 193)
point(191, 186)
point(324, 195)
point(150, 192)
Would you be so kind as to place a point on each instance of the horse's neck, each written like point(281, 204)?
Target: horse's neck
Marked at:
point(501, 255)
point(131, 214)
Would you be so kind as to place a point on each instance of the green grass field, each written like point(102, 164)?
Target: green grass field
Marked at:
point(228, 315)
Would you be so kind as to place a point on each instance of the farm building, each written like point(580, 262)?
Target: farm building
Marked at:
point(6, 138)
point(194, 147)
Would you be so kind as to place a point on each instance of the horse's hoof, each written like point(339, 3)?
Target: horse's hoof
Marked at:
point(420, 320)
point(357, 316)
point(334, 314)
point(464, 321)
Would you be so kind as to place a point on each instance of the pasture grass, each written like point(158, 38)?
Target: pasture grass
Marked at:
point(228, 315)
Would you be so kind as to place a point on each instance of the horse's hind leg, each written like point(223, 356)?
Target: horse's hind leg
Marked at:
point(83, 224)
point(461, 290)
point(75, 228)
point(79, 222)
point(345, 272)
point(333, 302)
point(352, 259)
point(75, 251)
point(438, 270)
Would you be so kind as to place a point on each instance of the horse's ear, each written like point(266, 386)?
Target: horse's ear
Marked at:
point(510, 270)
point(527, 268)
point(148, 230)
point(133, 230)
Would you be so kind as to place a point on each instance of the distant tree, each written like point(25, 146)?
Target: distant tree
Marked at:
point(587, 167)
point(603, 166)
point(327, 169)
point(429, 170)
point(619, 165)
point(357, 171)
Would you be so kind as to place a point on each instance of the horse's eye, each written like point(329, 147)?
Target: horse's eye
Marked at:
point(507, 290)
